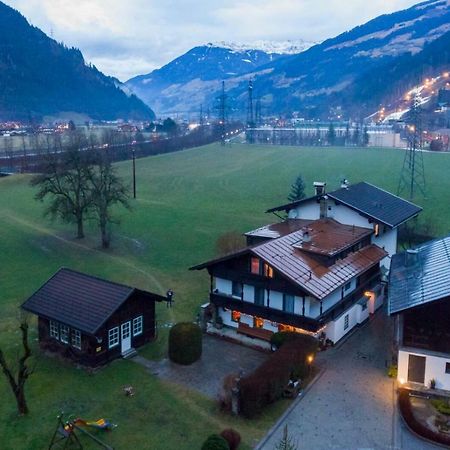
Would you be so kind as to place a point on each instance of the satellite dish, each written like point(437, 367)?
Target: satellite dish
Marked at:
point(293, 214)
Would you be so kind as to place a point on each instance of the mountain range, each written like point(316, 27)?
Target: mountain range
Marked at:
point(347, 70)
point(40, 77)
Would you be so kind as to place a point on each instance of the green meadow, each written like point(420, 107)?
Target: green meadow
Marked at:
point(185, 201)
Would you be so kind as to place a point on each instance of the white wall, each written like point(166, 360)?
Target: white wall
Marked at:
point(308, 210)
point(434, 368)
point(347, 216)
point(388, 241)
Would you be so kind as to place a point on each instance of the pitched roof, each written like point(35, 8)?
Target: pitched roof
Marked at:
point(287, 256)
point(276, 230)
point(80, 301)
point(370, 201)
point(421, 277)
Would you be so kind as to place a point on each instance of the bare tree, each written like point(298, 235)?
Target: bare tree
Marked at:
point(107, 190)
point(286, 442)
point(65, 181)
point(17, 381)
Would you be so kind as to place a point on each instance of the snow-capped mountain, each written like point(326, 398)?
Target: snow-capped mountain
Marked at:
point(190, 80)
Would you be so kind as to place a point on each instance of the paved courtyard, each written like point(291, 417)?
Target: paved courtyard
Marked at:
point(219, 358)
point(351, 406)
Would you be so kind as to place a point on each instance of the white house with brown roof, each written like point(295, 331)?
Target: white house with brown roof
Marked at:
point(317, 272)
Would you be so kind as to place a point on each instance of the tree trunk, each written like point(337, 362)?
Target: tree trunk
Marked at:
point(80, 228)
point(105, 236)
point(21, 401)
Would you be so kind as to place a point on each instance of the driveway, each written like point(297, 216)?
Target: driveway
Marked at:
point(219, 358)
point(352, 405)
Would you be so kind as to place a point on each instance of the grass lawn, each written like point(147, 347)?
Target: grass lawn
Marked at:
point(185, 201)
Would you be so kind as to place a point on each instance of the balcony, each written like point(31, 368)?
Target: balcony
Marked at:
point(274, 315)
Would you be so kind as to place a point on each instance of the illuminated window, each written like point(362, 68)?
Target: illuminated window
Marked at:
point(137, 326)
point(254, 266)
point(376, 229)
point(76, 339)
point(64, 334)
point(113, 336)
point(54, 330)
point(268, 271)
point(258, 322)
point(235, 316)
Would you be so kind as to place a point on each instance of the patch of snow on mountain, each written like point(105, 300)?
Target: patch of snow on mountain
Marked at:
point(279, 47)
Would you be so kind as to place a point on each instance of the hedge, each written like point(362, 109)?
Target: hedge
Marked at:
point(418, 428)
point(215, 442)
point(266, 384)
point(232, 437)
point(185, 343)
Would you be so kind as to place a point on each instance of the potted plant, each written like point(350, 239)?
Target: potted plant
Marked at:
point(219, 322)
point(432, 383)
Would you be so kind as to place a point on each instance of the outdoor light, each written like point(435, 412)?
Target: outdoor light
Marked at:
point(401, 380)
point(310, 359)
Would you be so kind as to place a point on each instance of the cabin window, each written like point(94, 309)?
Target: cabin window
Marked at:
point(254, 266)
point(236, 289)
point(259, 296)
point(137, 326)
point(64, 334)
point(76, 339)
point(235, 316)
point(348, 286)
point(54, 330)
point(346, 322)
point(268, 271)
point(288, 303)
point(447, 367)
point(113, 337)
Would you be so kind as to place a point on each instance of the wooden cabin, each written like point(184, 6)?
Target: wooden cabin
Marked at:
point(90, 320)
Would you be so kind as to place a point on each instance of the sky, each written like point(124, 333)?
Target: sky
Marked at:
point(125, 38)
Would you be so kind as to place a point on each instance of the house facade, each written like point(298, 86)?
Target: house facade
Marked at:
point(317, 272)
point(419, 300)
point(92, 321)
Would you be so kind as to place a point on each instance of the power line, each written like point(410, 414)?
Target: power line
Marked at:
point(222, 113)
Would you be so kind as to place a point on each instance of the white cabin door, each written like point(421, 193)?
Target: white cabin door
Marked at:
point(126, 336)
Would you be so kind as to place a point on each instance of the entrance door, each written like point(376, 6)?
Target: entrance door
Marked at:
point(126, 336)
point(416, 369)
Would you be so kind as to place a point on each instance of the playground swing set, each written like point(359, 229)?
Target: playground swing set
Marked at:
point(65, 436)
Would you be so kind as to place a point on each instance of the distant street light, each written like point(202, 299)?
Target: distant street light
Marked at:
point(134, 171)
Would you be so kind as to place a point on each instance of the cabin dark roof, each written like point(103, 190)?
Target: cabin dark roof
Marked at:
point(80, 301)
point(287, 255)
point(371, 202)
point(421, 277)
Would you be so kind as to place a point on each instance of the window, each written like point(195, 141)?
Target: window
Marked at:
point(268, 271)
point(64, 334)
point(254, 266)
point(348, 286)
point(346, 322)
point(376, 229)
point(288, 303)
point(137, 326)
point(259, 296)
point(113, 337)
point(236, 289)
point(76, 339)
point(54, 330)
point(364, 306)
point(447, 367)
point(235, 316)
point(258, 322)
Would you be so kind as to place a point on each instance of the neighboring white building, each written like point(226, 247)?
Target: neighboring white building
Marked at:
point(419, 299)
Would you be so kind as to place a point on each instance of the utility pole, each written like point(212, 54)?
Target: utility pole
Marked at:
point(133, 151)
point(412, 178)
point(250, 116)
point(222, 113)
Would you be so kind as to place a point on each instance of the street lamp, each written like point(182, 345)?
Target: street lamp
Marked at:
point(310, 360)
point(133, 151)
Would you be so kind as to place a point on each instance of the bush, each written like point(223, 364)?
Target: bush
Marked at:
point(442, 406)
point(185, 343)
point(232, 437)
point(278, 339)
point(408, 416)
point(267, 383)
point(215, 442)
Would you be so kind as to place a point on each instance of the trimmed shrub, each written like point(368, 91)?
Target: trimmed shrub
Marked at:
point(232, 437)
point(215, 442)
point(279, 338)
point(266, 384)
point(408, 416)
point(442, 406)
point(185, 343)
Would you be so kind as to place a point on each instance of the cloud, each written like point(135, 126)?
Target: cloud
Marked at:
point(134, 37)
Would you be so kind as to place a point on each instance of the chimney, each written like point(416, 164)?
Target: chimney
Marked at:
point(345, 184)
point(319, 187)
point(306, 237)
point(412, 258)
